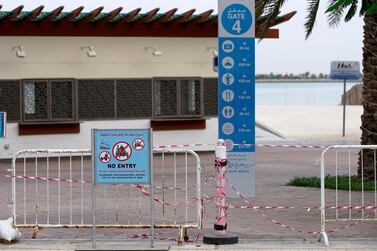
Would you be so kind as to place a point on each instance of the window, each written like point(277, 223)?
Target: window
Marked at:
point(55, 100)
point(10, 99)
point(134, 98)
point(210, 97)
point(178, 98)
point(190, 97)
point(48, 100)
point(96, 99)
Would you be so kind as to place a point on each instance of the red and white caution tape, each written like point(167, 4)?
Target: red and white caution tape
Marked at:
point(88, 182)
point(242, 145)
point(301, 231)
point(44, 178)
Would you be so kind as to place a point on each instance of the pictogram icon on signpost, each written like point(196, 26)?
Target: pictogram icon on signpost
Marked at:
point(105, 157)
point(122, 151)
point(138, 144)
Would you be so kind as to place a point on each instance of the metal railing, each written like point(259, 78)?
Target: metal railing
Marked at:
point(346, 162)
point(51, 188)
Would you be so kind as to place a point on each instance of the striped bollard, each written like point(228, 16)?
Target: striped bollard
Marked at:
point(221, 237)
point(220, 170)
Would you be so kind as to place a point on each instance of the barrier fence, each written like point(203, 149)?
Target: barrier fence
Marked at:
point(50, 189)
point(348, 165)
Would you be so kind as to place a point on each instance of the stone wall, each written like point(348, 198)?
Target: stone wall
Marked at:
point(354, 95)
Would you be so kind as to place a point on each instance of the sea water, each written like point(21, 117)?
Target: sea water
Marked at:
point(300, 93)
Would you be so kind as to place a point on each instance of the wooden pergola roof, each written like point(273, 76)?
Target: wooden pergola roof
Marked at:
point(117, 24)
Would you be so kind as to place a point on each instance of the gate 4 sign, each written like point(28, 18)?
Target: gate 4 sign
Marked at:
point(124, 159)
point(236, 19)
point(237, 90)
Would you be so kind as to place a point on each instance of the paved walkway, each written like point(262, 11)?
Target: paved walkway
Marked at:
point(254, 244)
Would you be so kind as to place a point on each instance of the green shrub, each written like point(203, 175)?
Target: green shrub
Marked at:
point(330, 182)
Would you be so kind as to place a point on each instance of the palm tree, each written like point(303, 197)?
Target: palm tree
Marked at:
point(336, 11)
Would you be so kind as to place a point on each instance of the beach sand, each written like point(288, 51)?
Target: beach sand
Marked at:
point(307, 123)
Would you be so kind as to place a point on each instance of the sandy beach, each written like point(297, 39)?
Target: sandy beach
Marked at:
point(308, 123)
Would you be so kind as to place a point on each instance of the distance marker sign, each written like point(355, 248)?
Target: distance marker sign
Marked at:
point(237, 91)
point(122, 156)
point(3, 124)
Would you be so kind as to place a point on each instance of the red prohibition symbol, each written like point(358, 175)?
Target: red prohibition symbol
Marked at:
point(105, 157)
point(138, 144)
point(122, 151)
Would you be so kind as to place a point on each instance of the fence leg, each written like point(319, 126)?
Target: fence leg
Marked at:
point(221, 237)
point(323, 236)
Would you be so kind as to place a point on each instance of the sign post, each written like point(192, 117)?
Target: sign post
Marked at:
point(345, 70)
point(236, 44)
point(122, 156)
point(237, 91)
point(3, 125)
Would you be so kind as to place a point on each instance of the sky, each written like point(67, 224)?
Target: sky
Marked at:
point(291, 53)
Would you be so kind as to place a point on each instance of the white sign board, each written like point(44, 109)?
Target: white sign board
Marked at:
point(345, 70)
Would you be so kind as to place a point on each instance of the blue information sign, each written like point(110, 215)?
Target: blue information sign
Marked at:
point(122, 156)
point(236, 19)
point(237, 90)
point(3, 124)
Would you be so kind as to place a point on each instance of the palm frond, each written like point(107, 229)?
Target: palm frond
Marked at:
point(365, 5)
point(334, 15)
point(338, 4)
point(260, 6)
point(372, 9)
point(312, 15)
point(351, 11)
point(271, 10)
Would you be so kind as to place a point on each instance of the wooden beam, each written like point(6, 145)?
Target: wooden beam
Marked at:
point(211, 20)
point(182, 18)
point(270, 33)
point(33, 14)
point(129, 16)
point(91, 16)
point(13, 14)
point(201, 17)
point(164, 17)
point(53, 14)
point(71, 16)
point(284, 18)
point(109, 17)
point(146, 17)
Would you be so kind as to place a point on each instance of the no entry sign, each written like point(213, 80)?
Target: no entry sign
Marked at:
point(122, 156)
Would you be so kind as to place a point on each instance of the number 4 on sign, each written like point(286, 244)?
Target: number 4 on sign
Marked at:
point(237, 26)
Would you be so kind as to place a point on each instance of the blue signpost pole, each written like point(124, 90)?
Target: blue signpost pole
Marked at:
point(237, 91)
point(236, 45)
point(3, 124)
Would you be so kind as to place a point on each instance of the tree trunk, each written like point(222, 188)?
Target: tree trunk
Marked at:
point(369, 117)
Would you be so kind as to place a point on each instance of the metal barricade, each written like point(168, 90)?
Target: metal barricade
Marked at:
point(346, 162)
point(51, 188)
